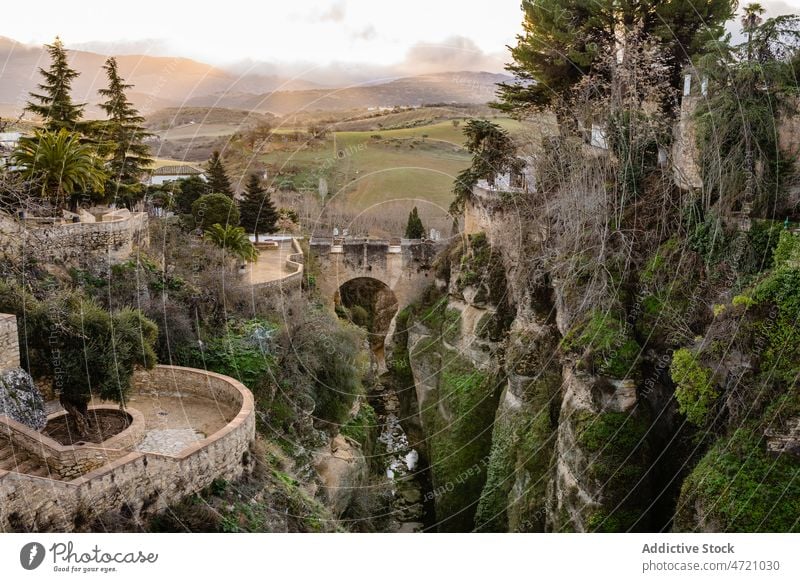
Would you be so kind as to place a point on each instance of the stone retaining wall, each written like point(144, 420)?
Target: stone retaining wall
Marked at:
point(143, 483)
point(70, 462)
point(80, 243)
point(9, 342)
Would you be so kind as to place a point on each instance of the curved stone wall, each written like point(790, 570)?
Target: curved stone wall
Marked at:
point(141, 482)
point(70, 462)
point(293, 280)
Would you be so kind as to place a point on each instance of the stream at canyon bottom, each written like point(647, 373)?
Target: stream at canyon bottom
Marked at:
point(404, 466)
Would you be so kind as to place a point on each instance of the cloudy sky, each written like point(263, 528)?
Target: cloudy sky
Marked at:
point(418, 35)
point(374, 32)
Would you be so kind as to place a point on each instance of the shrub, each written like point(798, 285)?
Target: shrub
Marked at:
point(360, 316)
point(739, 487)
point(604, 340)
point(694, 390)
point(85, 349)
point(243, 352)
point(214, 209)
point(788, 248)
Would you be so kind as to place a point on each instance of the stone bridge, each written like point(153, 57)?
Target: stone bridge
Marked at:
point(402, 265)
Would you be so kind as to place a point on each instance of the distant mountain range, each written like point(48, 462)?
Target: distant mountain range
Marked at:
point(173, 82)
point(460, 87)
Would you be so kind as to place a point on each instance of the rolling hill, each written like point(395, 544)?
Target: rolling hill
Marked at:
point(458, 87)
point(161, 82)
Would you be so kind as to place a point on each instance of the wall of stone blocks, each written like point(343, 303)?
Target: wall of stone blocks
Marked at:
point(143, 483)
point(9, 342)
point(81, 243)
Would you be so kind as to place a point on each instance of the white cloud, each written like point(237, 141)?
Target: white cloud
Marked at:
point(334, 13)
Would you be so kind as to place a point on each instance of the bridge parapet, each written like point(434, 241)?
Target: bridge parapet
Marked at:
point(404, 265)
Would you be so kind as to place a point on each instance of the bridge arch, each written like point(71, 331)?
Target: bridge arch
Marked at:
point(371, 304)
point(404, 267)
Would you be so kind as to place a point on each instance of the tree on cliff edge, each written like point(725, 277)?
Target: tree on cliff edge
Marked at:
point(257, 211)
point(123, 136)
point(564, 39)
point(86, 350)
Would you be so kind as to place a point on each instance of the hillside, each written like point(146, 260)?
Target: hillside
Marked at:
point(159, 81)
point(460, 87)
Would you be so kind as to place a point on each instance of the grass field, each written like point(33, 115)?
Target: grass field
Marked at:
point(369, 172)
point(196, 130)
point(373, 167)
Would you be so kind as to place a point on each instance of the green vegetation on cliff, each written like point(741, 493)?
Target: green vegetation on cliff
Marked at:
point(618, 458)
point(695, 392)
point(604, 343)
point(739, 487)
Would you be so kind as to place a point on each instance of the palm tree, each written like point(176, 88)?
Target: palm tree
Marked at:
point(751, 19)
point(234, 240)
point(60, 163)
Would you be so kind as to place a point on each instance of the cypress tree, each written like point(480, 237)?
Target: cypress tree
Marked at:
point(258, 213)
point(123, 136)
point(414, 227)
point(54, 102)
point(217, 178)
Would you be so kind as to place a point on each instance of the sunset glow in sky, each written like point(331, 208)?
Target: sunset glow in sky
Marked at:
point(436, 34)
point(314, 31)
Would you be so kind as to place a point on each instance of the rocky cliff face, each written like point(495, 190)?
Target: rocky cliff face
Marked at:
point(20, 399)
point(519, 438)
point(543, 405)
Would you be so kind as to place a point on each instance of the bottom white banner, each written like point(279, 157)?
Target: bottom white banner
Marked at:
point(385, 557)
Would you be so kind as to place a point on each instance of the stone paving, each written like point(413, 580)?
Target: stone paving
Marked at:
point(169, 441)
point(271, 264)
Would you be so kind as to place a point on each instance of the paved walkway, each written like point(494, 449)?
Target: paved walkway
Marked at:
point(271, 264)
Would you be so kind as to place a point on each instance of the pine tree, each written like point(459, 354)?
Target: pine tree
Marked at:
point(54, 103)
point(217, 178)
point(258, 213)
point(563, 40)
point(122, 136)
point(414, 228)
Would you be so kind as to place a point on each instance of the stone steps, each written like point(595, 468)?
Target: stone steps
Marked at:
point(15, 459)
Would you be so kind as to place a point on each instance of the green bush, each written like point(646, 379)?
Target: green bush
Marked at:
point(617, 451)
point(214, 209)
point(709, 239)
point(242, 353)
point(695, 391)
point(739, 487)
point(85, 349)
point(362, 427)
point(359, 316)
point(604, 340)
point(788, 248)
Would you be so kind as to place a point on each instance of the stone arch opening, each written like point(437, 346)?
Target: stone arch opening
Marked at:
point(371, 304)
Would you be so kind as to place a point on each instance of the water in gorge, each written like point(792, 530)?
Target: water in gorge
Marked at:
point(403, 465)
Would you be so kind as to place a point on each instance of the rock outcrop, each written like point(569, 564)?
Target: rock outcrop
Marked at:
point(20, 399)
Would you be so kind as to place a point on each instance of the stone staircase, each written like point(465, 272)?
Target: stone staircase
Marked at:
point(16, 459)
